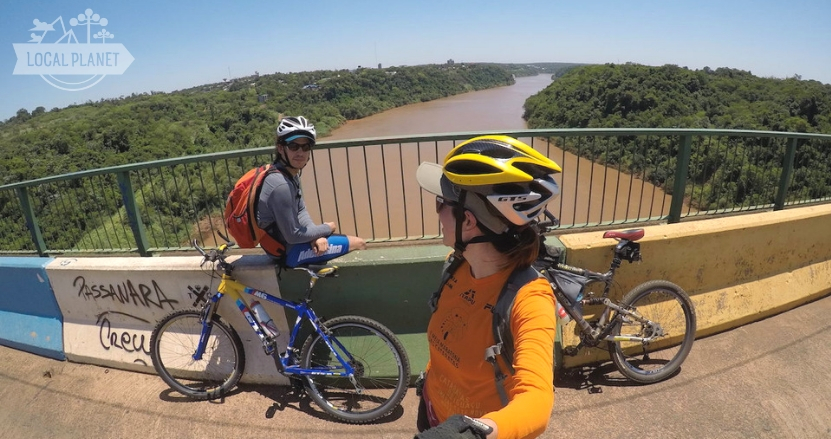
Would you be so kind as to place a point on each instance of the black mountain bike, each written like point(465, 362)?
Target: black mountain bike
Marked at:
point(649, 332)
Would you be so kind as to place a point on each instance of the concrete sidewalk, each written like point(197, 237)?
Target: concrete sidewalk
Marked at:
point(769, 379)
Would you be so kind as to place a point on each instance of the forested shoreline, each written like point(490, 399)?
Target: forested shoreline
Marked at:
point(639, 96)
point(243, 113)
point(236, 114)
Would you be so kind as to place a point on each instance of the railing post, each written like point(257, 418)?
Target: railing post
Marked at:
point(681, 170)
point(785, 179)
point(129, 198)
point(31, 220)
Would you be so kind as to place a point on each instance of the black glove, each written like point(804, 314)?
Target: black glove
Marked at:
point(456, 427)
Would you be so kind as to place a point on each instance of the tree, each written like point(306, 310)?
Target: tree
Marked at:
point(22, 115)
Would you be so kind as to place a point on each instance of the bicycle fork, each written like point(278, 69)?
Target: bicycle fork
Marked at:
point(207, 319)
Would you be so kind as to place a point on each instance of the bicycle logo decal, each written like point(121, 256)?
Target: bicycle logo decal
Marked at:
point(55, 50)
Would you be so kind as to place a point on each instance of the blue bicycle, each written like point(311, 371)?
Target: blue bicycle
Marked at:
point(354, 368)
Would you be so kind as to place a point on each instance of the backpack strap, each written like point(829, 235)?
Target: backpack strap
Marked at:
point(450, 265)
point(502, 327)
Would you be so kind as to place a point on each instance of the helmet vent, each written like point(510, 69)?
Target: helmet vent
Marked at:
point(469, 167)
point(534, 171)
point(497, 150)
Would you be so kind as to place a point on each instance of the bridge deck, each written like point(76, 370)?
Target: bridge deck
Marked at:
point(764, 380)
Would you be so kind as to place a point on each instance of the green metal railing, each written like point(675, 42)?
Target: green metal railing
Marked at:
point(368, 187)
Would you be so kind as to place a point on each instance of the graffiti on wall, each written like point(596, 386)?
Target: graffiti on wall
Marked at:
point(199, 294)
point(125, 292)
point(127, 333)
point(122, 339)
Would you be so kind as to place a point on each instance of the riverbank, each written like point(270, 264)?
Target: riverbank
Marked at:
point(591, 193)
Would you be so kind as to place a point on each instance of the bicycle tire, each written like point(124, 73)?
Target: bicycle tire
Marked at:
point(665, 303)
point(381, 363)
point(173, 343)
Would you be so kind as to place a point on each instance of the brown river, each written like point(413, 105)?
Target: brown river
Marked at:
point(379, 198)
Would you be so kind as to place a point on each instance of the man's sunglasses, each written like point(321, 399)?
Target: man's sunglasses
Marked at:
point(293, 146)
point(441, 201)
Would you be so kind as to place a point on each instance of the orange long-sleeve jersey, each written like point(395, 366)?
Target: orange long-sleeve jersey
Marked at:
point(460, 381)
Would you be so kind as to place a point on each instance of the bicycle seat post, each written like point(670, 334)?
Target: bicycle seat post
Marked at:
point(315, 272)
point(313, 277)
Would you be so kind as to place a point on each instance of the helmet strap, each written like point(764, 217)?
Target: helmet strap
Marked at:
point(459, 212)
point(284, 158)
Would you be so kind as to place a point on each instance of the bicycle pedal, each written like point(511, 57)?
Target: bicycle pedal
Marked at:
point(571, 351)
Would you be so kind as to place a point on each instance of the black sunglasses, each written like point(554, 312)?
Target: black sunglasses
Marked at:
point(441, 201)
point(293, 146)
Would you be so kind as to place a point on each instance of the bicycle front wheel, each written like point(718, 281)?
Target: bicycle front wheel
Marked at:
point(173, 344)
point(666, 304)
point(382, 369)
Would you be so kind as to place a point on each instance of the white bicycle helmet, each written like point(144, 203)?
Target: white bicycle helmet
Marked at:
point(295, 127)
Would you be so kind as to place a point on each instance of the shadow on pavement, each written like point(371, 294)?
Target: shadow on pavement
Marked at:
point(594, 377)
point(295, 398)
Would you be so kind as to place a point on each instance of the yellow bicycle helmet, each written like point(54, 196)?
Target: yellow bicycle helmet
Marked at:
point(513, 177)
point(488, 160)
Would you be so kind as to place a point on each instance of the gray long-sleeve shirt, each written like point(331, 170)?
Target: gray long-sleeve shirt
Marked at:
point(281, 202)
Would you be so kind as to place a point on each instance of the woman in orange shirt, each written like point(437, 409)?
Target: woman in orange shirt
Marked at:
point(488, 193)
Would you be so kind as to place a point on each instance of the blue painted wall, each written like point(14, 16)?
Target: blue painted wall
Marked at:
point(30, 318)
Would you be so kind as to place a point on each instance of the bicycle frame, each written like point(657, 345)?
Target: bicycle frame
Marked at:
point(234, 289)
point(625, 249)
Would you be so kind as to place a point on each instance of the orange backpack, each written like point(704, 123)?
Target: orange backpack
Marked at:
point(241, 212)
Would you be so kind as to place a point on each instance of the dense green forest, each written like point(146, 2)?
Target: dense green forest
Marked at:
point(632, 95)
point(235, 114)
point(215, 117)
point(639, 96)
point(243, 112)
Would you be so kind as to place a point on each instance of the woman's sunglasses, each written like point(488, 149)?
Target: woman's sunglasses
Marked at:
point(441, 202)
point(293, 146)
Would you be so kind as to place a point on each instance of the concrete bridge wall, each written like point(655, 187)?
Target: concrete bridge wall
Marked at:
point(736, 270)
point(102, 310)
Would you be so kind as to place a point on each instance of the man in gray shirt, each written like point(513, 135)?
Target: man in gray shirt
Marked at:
point(281, 211)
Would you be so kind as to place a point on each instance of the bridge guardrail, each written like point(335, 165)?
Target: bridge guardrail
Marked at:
point(367, 186)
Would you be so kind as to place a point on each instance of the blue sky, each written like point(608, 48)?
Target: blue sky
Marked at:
point(180, 44)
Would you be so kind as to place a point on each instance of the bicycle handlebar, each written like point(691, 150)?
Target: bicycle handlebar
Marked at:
point(213, 255)
point(551, 222)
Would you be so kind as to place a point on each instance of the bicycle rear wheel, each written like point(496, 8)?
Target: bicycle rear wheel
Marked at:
point(381, 367)
point(669, 306)
point(173, 343)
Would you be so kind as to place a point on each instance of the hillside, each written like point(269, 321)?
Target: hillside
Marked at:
point(632, 95)
point(215, 117)
point(638, 96)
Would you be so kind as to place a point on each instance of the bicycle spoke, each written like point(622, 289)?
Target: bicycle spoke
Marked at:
point(666, 337)
point(379, 363)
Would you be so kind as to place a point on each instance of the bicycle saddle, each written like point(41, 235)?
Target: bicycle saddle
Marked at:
point(629, 235)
